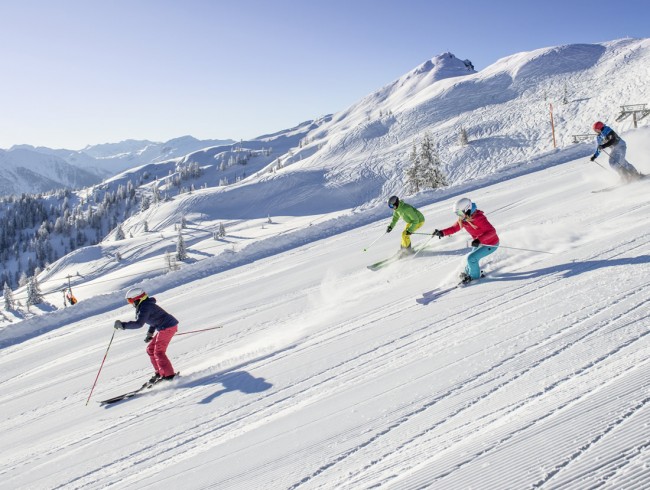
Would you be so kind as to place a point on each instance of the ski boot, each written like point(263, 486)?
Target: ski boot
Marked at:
point(152, 381)
point(406, 251)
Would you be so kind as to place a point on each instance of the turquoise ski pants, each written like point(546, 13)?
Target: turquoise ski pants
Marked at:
point(480, 252)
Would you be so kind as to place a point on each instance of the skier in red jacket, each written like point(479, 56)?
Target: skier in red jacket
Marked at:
point(477, 225)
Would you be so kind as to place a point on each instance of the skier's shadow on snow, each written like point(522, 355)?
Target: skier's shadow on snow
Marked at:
point(573, 268)
point(234, 381)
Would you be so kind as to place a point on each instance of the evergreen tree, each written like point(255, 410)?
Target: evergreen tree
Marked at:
point(222, 230)
point(463, 140)
point(119, 233)
point(145, 203)
point(425, 171)
point(413, 172)
point(170, 262)
point(23, 279)
point(181, 252)
point(155, 193)
point(8, 297)
point(34, 296)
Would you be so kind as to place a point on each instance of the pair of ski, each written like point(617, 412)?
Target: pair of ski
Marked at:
point(399, 255)
point(131, 394)
point(434, 294)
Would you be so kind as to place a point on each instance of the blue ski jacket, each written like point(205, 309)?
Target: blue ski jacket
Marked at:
point(149, 312)
point(607, 137)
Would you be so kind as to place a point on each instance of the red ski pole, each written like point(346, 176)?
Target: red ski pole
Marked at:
point(100, 368)
point(195, 331)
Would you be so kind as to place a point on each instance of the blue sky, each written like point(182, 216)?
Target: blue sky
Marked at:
point(86, 72)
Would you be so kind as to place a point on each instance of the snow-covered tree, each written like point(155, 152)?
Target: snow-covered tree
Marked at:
point(8, 297)
point(170, 262)
point(222, 230)
point(155, 197)
point(119, 233)
point(145, 203)
point(181, 252)
point(34, 296)
point(23, 279)
point(463, 140)
point(425, 171)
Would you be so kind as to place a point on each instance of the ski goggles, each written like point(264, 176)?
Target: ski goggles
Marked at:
point(136, 299)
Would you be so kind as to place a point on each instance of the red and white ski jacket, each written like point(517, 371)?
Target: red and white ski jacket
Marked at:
point(478, 226)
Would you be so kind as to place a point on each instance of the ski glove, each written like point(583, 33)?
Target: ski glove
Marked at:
point(118, 325)
point(476, 243)
point(437, 233)
point(592, 158)
point(408, 233)
point(389, 229)
point(148, 338)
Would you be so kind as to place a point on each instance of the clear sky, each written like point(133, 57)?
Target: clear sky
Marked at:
point(79, 72)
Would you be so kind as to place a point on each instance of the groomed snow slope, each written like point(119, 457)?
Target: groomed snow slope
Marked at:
point(327, 375)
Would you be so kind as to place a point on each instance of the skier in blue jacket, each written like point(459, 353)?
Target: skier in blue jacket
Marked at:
point(607, 138)
point(161, 323)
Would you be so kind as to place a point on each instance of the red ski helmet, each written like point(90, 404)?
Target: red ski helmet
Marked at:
point(598, 126)
point(135, 295)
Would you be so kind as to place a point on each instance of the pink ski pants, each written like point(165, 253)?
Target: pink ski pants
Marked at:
point(157, 348)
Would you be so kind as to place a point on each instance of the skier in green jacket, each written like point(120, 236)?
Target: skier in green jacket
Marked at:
point(414, 220)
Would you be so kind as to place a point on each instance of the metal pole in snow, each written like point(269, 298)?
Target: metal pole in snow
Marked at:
point(552, 125)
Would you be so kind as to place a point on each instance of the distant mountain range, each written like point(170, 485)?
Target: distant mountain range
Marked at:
point(29, 169)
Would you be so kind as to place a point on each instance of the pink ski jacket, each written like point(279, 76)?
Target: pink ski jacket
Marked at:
point(476, 225)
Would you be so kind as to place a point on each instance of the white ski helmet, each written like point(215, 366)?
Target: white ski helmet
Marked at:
point(136, 295)
point(463, 207)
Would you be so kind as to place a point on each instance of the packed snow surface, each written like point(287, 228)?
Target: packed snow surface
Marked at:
point(324, 374)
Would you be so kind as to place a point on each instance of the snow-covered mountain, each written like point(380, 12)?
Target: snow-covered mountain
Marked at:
point(26, 171)
point(89, 166)
point(359, 156)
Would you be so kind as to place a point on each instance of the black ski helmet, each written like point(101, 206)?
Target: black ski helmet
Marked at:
point(393, 202)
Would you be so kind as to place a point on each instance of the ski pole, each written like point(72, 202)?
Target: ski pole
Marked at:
point(366, 249)
point(195, 331)
point(100, 368)
point(423, 246)
point(527, 250)
point(598, 164)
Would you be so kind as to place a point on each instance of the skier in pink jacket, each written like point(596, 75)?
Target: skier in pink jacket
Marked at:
point(485, 242)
